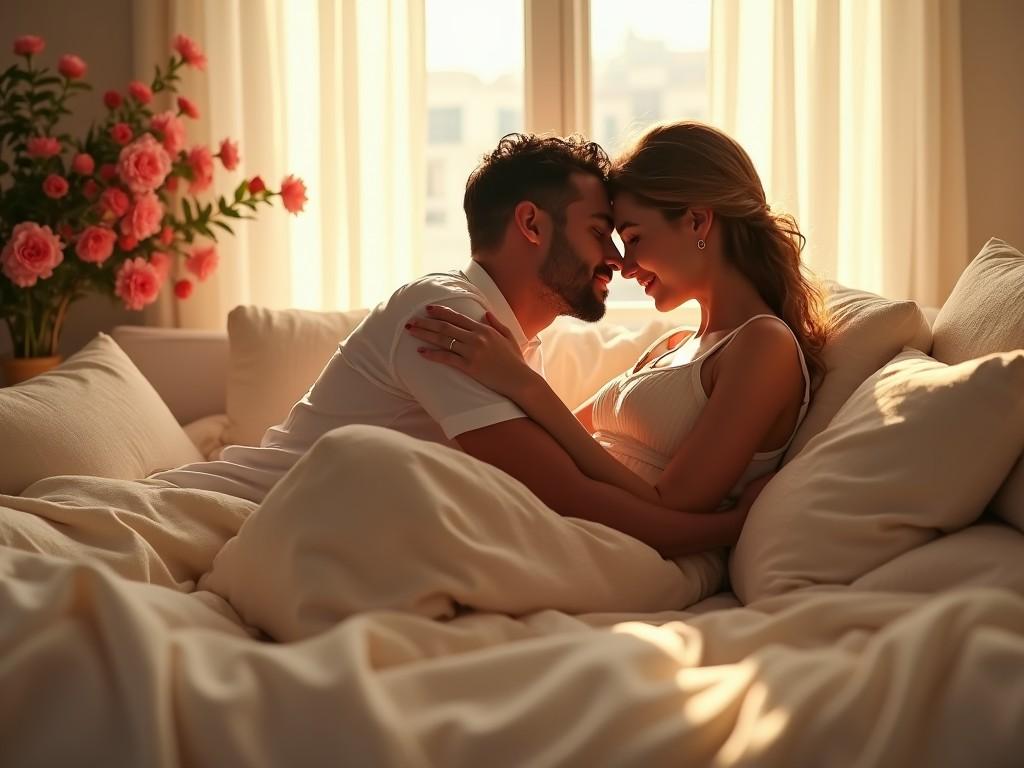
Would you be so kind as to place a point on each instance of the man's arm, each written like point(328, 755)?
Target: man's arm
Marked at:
point(526, 451)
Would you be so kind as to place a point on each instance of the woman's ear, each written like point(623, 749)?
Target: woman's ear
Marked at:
point(702, 219)
point(527, 219)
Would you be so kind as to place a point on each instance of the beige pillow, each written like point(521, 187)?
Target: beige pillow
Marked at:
point(868, 331)
point(94, 415)
point(579, 357)
point(275, 356)
point(1009, 502)
point(985, 311)
point(920, 447)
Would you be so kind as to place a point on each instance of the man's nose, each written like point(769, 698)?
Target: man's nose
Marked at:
point(628, 267)
point(612, 257)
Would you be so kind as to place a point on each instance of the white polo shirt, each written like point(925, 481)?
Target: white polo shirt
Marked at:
point(377, 377)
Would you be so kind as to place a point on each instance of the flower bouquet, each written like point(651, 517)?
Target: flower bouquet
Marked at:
point(108, 212)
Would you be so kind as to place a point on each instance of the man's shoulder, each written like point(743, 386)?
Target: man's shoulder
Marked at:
point(433, 288)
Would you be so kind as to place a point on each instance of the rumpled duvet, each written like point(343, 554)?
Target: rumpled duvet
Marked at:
point(397, 603)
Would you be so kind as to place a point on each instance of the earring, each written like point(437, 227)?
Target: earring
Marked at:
point(701, 245)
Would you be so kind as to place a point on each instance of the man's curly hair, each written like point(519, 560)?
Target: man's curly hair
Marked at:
point(526, 167)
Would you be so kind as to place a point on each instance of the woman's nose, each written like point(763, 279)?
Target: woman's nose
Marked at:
point(628, 267)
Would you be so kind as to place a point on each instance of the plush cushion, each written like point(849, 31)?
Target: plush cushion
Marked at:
point(985, 311)
point(920, 447)
point(579, 357)
point(868, 330)
point(93, 415)
point(1009, 501)
point(275, 355)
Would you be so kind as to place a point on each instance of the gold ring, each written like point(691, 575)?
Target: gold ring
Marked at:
point(450, 346)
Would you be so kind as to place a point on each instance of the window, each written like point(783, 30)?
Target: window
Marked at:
point(494, 67)
point(475, 71)
point(444, 125)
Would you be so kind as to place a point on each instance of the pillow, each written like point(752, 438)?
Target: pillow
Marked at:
point(274, 357)
point(580, 357)
point(868, 330)
point(93, 415)
point(920, 447)
point(985, 311)
point(1009, 502)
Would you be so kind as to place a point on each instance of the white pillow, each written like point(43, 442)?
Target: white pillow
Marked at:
point(93, 415)
point(868, 330)
point(985, 311)
point(919, 448)
point(580, 357)
point(275, 356)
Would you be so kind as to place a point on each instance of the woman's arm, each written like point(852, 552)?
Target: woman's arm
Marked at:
point(489, 354)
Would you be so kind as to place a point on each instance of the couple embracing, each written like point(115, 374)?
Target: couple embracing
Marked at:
point(674, 450)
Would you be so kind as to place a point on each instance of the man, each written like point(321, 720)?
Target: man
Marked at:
point(540, 228)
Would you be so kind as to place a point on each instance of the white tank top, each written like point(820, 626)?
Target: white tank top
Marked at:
point(643, 416)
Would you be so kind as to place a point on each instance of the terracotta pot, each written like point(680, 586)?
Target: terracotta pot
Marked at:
point(19, 369)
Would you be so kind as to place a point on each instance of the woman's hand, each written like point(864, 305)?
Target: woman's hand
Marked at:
point(486, 351)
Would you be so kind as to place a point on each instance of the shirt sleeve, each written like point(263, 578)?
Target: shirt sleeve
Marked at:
point(456, 401)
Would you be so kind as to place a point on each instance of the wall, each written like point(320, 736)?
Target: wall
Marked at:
point(993, 81)
point(100, 31)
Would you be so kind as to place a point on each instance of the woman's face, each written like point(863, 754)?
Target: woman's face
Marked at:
point(660, 254)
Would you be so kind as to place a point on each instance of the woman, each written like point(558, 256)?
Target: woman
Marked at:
point(701, 415)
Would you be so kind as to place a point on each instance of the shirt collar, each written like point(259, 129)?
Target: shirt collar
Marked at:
point(478, 276)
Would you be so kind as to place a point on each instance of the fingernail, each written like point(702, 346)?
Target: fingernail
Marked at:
point(431, 306)
point(408, 325)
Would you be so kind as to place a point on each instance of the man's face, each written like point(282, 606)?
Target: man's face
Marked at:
point(582, 257)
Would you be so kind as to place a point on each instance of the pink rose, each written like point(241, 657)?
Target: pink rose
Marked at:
point(183, 289)
point(66, 232)
point(161, 263)
point(71, 66)
point(83, 164)
point(112, 99)
point(143, 165)
point(171, 185)
point(188, 107)
point(115, 201)
point(171, 130)
point(140, 92)
point(127, 243)
point(137, 283)
point(293, 194)
point(229, 154)
point(190, 51)
point(201, 162)
point(96, 244)
point(55, 187)
point(43, 147)
point(144, 217)
point(28, 45)
point(31, 254)
point(166, 236)
point(202, 262)
point(256, 185)
point(121, 133)
point(108, 172)
point(91, 190)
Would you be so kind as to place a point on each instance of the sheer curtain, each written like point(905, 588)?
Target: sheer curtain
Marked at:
point(852, 113)
point(332, 91)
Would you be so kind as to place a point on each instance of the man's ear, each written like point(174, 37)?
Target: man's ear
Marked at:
point(702, 219)
point(527, 218)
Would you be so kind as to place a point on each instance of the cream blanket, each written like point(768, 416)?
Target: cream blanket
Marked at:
point(471, 626)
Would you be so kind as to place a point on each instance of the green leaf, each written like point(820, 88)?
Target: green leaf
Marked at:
point(188, 211)
point(223, 226)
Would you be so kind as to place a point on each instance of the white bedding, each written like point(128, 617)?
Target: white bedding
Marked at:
point(419, 612)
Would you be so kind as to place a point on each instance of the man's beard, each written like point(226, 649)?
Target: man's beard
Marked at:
point(569, 279)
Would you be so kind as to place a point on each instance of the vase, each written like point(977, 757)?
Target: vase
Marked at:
point(19, 369)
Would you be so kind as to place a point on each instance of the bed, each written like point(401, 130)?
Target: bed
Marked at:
point(435, 613)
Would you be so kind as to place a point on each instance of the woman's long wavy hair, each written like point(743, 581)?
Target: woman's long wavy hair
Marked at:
point(678, 165)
